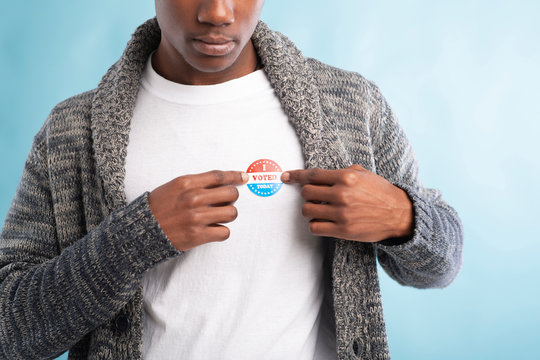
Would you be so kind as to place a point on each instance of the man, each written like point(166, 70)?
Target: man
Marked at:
point(93, 262)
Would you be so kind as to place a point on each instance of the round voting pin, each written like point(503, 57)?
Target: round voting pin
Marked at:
point(264, 177)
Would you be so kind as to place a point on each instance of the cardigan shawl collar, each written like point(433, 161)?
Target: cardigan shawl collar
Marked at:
point(288, 71)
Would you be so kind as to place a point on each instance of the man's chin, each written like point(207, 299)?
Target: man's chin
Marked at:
point(214, 64)
point(215, 71)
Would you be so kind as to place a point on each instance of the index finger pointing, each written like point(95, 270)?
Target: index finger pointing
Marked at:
point(311, 176)
point(217, 178)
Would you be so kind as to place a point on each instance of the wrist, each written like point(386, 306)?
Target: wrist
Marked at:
point(404, 213)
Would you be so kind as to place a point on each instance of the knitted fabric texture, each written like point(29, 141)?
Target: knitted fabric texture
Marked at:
point(73, 252)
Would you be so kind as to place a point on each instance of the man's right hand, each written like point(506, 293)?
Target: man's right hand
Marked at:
point(191, 208)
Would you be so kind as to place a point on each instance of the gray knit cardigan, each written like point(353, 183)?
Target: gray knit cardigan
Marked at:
point(73, 251)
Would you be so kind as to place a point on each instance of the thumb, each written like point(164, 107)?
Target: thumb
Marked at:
point(357, 167)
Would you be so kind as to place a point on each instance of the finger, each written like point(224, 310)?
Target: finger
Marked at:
point(324, 228)
point(216, 232)
point(216, 178)
point(216, 215)
point(311, 176)
point(321, 193)
point(357, 167)
point(319, 212)
point(211, 197)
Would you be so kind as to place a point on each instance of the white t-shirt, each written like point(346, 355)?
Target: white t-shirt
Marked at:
point(257, 295)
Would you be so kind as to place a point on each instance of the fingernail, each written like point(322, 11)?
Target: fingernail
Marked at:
point(285, 177)
point(245, 177)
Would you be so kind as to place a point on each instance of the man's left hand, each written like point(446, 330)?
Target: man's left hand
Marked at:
point(353, 204)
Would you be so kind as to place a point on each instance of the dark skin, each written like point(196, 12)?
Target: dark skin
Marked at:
point(207, 42)
point(192, 208)
point(353, 204)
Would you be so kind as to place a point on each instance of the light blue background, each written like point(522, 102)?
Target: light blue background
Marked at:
point(463, 77)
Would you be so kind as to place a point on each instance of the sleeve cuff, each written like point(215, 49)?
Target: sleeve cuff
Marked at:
point(412, 247)
point(140, 241)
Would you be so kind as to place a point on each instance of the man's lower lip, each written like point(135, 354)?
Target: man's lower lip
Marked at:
point(214, 49)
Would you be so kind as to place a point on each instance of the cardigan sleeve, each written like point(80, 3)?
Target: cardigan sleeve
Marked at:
point(50, 300)
point(433, 256)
